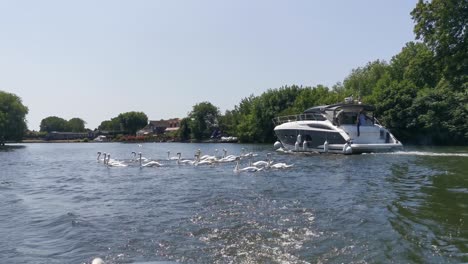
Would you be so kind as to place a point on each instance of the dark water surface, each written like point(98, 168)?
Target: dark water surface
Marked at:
point(59, 205)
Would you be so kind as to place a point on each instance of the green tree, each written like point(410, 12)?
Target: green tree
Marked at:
point(363, 80)
point(237, 117)
point(253, 116)
point(415, 63)
point(442, 25)
point(133, 121)
point(53, 123)
point(76, 125)
point(442, 115)
point(309, 97)
point(203, 120)
point(393, 102)
point(12, 117)
point(227, 123)
point(184, 129)
point(110, 125)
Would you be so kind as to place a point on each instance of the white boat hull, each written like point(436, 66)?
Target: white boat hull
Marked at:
point(339, 148)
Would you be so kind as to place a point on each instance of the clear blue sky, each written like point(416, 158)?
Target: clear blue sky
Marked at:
point(96, 59)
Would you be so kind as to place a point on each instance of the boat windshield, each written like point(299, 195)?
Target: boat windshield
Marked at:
point(349, 115)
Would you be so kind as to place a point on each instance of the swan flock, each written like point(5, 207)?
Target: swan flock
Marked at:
point(138, 160)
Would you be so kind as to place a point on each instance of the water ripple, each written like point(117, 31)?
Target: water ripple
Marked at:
point(401, 207)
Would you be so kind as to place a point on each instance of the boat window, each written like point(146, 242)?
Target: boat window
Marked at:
point(320, 126)
point(347, 118)
point(319, 117)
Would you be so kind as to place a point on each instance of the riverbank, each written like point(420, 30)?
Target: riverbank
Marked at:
point(55, 141)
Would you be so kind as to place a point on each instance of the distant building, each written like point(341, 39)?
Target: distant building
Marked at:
point(160, 127)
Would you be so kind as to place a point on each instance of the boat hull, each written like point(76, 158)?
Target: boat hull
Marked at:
point(340, 148)
point(299, 138)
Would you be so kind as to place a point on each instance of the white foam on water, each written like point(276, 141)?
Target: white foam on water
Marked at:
point(426, 153)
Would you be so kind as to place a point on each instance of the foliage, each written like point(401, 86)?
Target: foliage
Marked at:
point(133, 121)
point(76, 125)
point(441, 24)
point(53, 123)
point(392, 104)
point(34, 135)
point(442, 113)
point(251, 120)
point(362, 81)
point(12, 117)
point(203, 120)
point(128, 122)
point(415, 63)
point(184, 129)
point(110, 125)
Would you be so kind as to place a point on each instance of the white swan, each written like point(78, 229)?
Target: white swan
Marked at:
point(134, 156)
point(280, 165)
point(246, 169)
point(99, 155)
point(114, 163)
point(140, 158)
point(97, 261)
point(207, 161)
point(150, 163)
point(263, 163)
point(229, 158)
point(105, 158)
point(224, 152)
point(248, 155)
point(179, 161)
point(208, 157)
point(169, 156)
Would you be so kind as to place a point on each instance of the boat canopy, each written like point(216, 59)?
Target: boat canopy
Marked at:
point(342, 113)
point(342, 106)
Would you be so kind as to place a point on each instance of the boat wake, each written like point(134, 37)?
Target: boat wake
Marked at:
point(425, 153)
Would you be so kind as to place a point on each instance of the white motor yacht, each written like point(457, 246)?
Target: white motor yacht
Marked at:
point(334, 129)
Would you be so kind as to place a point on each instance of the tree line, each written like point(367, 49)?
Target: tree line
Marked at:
point(55, 123)
point(124, 123)
point(421, 94)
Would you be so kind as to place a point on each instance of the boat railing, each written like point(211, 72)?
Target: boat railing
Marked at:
point(293, 118)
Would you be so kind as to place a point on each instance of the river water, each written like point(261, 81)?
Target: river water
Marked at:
point(59, 205)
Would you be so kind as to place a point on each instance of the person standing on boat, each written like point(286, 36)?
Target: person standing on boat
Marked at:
point(361, 120)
